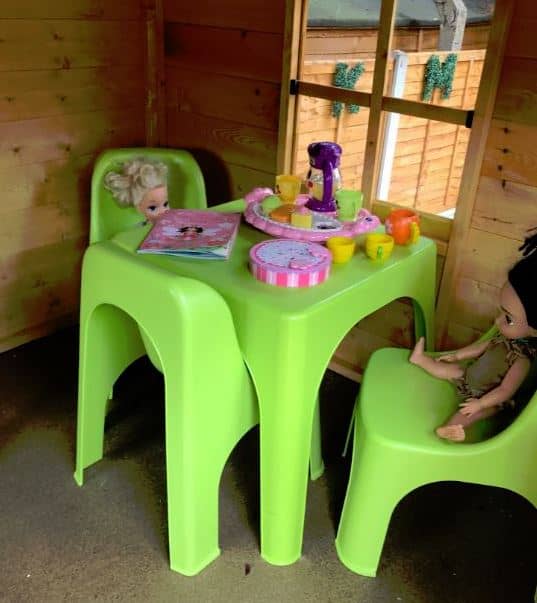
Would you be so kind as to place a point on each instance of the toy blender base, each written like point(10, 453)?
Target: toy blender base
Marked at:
point(324, 226)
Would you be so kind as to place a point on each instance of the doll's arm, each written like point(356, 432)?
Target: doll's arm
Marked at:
point(468, 352)
point(504, 392)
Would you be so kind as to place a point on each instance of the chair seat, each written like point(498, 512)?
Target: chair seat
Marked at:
point(402, 404)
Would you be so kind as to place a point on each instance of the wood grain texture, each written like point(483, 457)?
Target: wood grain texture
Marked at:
point(242, 100)
point(517, 95)
point(63, 136)
point(69, 44)
point(243, 179)
point(71, 85)
point(50, 92)
point(505, 208)
point(85, 10)
point(231, 52)
point(485, 107)
point(522, 45)
point(230, 141)
point(237, 14)
point(488, 256)
point(511, 152)
point(475, 304)
point(224, 90)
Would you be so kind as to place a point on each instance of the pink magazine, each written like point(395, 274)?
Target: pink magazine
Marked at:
point(193, 233)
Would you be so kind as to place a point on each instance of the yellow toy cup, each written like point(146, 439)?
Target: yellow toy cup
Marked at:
point(342, 248)
point(378, 247)
point(288, 187)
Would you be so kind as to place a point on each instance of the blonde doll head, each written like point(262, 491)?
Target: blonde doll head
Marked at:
point(140, 183)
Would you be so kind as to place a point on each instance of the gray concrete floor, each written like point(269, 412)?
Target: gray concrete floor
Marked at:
point(106, 541)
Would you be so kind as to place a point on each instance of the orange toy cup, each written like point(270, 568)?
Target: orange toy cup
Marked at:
point(403, 226)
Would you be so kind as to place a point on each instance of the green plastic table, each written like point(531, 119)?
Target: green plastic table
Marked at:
point(287, 337)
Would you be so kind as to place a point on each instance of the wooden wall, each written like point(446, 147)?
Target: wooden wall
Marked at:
point(223, 70)
point(71, 85)
point(506, 202)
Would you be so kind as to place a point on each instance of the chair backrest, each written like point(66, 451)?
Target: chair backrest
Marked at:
point(186, 188)
point(516, 443)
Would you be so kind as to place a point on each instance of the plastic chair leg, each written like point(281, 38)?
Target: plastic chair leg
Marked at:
point(104, 354)
point(316, 453)
point(369, 504)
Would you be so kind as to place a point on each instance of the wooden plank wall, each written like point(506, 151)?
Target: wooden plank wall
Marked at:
point(506, 202)
point(71, 85)
point(223, 75)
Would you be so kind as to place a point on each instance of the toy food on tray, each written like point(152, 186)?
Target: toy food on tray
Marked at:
point(327, 209)
point(266, 211)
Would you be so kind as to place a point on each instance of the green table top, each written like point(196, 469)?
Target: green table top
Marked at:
point(233, 279)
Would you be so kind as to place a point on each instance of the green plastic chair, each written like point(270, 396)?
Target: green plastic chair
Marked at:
point(130, 308)
point(186, 189)
point(396, 451)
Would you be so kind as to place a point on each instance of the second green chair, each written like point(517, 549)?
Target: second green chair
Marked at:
point(396, 451)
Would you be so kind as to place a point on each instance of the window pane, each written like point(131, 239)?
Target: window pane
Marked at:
point(316, 124)
point(443, 63)
point(340, 43)
point(421, 162)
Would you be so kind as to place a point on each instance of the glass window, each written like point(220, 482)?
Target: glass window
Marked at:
point(419, 154)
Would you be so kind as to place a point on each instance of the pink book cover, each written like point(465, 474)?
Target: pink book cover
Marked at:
point(193, 233)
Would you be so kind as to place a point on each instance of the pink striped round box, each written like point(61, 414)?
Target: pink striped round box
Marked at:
point(288, 263)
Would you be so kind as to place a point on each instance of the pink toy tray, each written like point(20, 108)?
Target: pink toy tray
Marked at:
point(325, 226)
point(286, 263)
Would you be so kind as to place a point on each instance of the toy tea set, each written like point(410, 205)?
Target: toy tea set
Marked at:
point(327, 213)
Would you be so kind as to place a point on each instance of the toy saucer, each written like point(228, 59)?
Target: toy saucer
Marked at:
point(286, 263)
point(324, 226)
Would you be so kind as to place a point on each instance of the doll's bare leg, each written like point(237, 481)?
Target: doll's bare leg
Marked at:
point(453, 429)
point(442, 370)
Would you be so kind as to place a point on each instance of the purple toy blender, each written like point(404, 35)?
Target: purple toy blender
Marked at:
point(323, 177)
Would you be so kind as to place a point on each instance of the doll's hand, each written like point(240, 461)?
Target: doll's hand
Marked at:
point(470, 406)
point(452, 357)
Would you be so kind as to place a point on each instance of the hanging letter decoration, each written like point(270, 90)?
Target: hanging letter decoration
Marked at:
point(346, 78)
point(438, 75)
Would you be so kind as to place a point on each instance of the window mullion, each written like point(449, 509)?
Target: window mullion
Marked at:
point(450, 115)
point(384, 39)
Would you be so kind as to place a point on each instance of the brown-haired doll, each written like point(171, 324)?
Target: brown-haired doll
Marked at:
point(140, 183)
point(499, 365)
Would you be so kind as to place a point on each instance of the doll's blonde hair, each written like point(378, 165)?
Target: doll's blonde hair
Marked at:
point(135, 178)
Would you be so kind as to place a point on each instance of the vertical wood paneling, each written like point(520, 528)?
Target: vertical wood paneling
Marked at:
point(484, 113)
point(506, 200)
